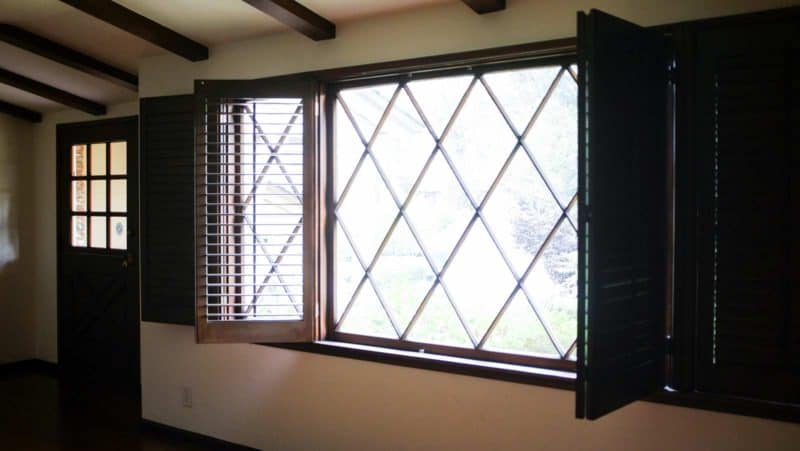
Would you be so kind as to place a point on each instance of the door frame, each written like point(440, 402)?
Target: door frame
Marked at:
point(63, 230)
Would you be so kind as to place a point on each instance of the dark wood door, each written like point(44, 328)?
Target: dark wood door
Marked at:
point(98, 280)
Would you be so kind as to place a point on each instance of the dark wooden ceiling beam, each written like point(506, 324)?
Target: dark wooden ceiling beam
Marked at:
point(138, 25)
point(48, 92)
point(67, 56)
point(298, 17)
point(20, 112)
point(486, 6)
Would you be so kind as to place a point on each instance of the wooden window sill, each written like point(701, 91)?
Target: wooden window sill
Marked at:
point(564, 380)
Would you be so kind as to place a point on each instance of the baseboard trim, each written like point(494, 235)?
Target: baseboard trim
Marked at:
point(29, 366)
point(185, 436)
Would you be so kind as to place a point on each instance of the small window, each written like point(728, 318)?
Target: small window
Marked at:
point(454, 214)
point(98, 195)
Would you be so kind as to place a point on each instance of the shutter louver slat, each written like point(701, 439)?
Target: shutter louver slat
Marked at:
point(167, 162)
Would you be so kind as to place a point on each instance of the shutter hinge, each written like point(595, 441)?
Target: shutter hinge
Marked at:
point(672, 74)
point(669, 344)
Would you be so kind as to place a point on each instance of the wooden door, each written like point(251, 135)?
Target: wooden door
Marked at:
point(98, 244)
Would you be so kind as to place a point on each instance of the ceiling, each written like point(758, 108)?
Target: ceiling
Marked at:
point(209, 22)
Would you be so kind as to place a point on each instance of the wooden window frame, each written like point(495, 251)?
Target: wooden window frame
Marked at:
point(476, 68)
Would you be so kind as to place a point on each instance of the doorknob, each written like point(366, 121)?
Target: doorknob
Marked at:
point(127, 260)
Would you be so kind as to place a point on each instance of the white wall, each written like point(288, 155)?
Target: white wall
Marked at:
point(17, 334)
point(284, 400)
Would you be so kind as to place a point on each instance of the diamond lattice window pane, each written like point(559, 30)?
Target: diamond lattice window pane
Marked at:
point(367, 105)
point(438, 323)
point(348, 272)
point(553, 285)
point(521, 91)
point(440, 211)
point(521, 212)
point(402, 146)
point(470, 216)
point(367, 316)
point(573, 215)
point(479, 142)
point(367, 211)
point(479, 280)
point(438, 98)
point(349, 148)
point(402, 275)
point(520, 331)
point(553, 140)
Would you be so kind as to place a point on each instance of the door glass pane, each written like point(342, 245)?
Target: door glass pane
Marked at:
point(98, 232)
point(79, 195)
point(119, 195)
point(119, 157)
point(78, 231)
point(99, 159)
point(119, 232)
point(79, 160)
point(98, 195)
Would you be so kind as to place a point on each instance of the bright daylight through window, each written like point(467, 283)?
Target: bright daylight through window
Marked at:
point(455, 212)
point(254, 211)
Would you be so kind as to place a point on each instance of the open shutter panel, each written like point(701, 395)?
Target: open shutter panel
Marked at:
point(747, 79)
point(167, 180)
point(256, 215)
point(622, 190)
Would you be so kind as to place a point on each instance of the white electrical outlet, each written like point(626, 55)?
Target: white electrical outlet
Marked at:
point(187, 397)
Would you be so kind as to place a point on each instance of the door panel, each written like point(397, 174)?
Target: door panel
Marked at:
point(98, 252)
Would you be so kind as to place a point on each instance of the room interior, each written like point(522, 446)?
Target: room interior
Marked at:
point(247, 395)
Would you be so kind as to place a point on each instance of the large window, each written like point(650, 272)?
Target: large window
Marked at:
point(455, 211)
point(510, 206)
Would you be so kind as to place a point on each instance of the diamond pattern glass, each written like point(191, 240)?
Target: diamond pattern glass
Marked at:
point(476, 154)
point(402, 274)
point(402, 146)
point(455, 211)
point(478, 280)
point(519, 331)
point(552, 139)
point(553, 283)
point(438, 323)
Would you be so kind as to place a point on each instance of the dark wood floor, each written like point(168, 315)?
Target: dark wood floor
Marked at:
point(37, 412)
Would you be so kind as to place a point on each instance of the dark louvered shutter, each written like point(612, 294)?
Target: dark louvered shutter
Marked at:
point(622, 190)
point(748, 89)
point(167, 176)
